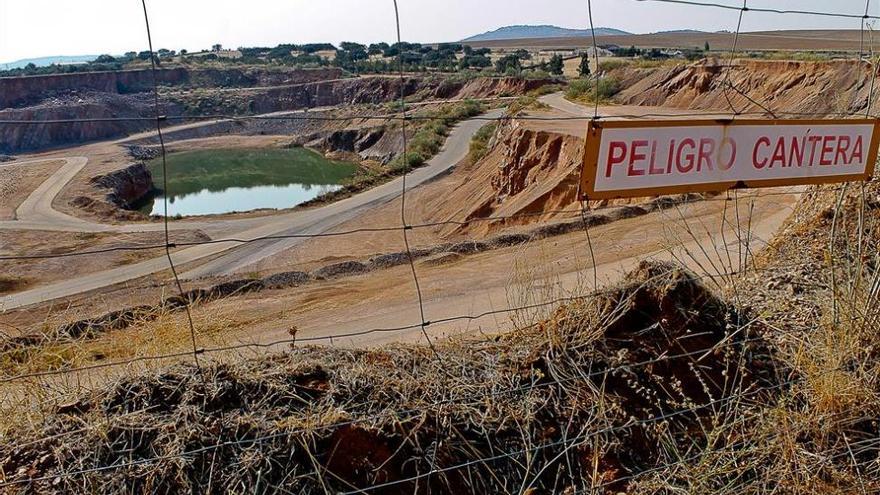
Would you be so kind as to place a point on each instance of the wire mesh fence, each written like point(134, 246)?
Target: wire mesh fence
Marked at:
point(716, 267)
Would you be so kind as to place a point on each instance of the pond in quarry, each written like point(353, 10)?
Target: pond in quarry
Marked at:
point(205, 182)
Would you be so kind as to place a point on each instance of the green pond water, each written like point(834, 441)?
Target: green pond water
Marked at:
point(205, 182)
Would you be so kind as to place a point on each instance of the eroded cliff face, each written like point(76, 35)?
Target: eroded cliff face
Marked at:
point(71, 121)
point(488, 87)
point(783, 86)
point(526, 171)
point(28, 90)
point(111, 114)
point(16, 92)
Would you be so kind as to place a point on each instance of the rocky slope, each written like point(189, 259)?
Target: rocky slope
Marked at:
point(23, 91)
point(810, 87)
point(107, 108)
point(528, 171)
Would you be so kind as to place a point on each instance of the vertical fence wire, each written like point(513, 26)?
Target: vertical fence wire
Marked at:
point(184, 300)
point(584, 205)
point(406, 169)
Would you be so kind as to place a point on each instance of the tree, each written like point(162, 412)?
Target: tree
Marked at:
point(706, 47)
point(377, 48)
point(216, 48)
point(584, 67)
point(508, 64)
point(556, 65)
point(523, 54)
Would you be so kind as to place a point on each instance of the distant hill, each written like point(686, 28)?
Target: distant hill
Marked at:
point(46, 61)
point(680, 31)
point(545, 31)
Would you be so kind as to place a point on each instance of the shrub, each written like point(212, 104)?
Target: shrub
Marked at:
point(585, 89)
point(609, 65)
point(430, 135)
point(524, 103)
point(480, 142)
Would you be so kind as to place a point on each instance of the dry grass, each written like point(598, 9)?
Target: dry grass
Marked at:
point(536, 390)
point(766, 384)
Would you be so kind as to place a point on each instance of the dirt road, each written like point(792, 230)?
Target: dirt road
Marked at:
point(37, 212)
point(472, 294)
point(296, 222)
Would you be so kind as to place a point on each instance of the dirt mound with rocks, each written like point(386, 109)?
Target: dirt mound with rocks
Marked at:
point(319, 419)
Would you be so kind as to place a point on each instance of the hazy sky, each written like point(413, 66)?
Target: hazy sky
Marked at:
point(33, 28)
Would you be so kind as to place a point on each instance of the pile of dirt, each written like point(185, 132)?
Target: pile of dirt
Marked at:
point(323, 419)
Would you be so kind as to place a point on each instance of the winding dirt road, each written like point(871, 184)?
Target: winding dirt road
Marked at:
point(37, 212)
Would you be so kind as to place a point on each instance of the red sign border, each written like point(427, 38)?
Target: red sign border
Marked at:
point(594, 139)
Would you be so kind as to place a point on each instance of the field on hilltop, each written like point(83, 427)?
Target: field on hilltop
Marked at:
point(848, 40)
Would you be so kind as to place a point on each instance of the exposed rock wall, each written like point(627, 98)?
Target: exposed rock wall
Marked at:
point(331, 93)
point(488, 87)
point(28, 90)
point(526, 171)
point(20, 91)
point(782, 86)
point(372, 143)
point(106, 109)
point(48, 126)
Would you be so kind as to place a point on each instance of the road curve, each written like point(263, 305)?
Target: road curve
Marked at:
point(311, 221)
point(323, 219)
point(36, 212)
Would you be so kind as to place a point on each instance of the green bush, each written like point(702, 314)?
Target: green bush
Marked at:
point(585, 89)
point(480, 142)
point(428, 138)
point(536, 74)
point(610, 65)
point(544, 90)
point(524, 103)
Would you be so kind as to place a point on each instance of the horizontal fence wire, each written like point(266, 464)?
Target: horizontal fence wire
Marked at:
point(479, 398)
point(361, 333)
point(592, 374)
point(866, 444)
point(766, 10)
point(708, 114)
point(320, 338)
